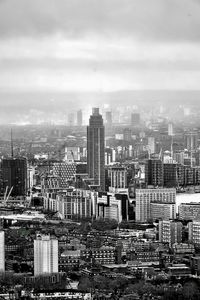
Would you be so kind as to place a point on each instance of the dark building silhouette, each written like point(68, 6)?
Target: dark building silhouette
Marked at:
point(14, 175)
point(154, 169)
point(96, 149)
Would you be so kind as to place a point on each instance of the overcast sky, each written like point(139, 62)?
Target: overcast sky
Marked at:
point(99, 45)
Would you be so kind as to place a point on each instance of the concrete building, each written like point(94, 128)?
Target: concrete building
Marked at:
point(135, 119)
point(154, 171)
point(79, 118)
point(65, 171)
point(194, 233)
point(170, 232)
point(14, 175)
point(96, 149)
point(45, 255)
point(2, 251)
point(163, 211)
point(189, 211)
point(118, 177)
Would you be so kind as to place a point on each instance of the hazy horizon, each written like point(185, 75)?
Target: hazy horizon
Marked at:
point(55, 54)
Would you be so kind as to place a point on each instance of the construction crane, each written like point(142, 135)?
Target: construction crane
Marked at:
point(6, 197)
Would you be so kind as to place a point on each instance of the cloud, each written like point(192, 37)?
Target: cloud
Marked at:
point(149, 19)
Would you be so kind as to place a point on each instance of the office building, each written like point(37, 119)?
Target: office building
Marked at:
point(2, 251)
point(109, 207)
point(170, 232)
point(189, 211)
point(14, 176)
point(144, 198)
point(151, 146)
point(118, 177)
point(143, 201)
point(163, 211)
point(194, 233)
point(45, 255)
point(65, 171)
point(170, 175)
point(170, 129)
point(96, 149)
point(79, 118)
point(191, 141)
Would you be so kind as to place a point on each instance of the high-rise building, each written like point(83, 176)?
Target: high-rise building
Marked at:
point(45, 255)
point(194, 233)
point(118, 177)
point(109, 118)
point(154, 169)
point(127, 134)
point(65, 171)
point(170, 129)
point(189, 211)
point(2, 251)
point(170, 175)
point(135, 119)
point(96, 149)
point(191, 141)
point(79, 118)
point(144, 198)
point(151, 144)
point(163, 211)
point(14, 175)
point(170, 232)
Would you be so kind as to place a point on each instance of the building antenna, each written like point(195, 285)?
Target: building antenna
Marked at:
point(11, 143)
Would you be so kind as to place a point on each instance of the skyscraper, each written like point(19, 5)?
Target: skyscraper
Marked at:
point(96, 149)
point(2, 251)
point(79, 118)
point(14, 175)
point(45, 255)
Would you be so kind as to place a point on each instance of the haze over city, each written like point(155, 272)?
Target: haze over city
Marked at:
point(58, 53)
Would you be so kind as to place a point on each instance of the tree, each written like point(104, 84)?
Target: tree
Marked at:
point(104, 224)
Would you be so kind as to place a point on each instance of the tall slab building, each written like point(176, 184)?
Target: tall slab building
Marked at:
point(96, 149)
point(45, 255)
point(2, 251)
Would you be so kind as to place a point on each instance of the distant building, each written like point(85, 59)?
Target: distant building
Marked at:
point(2, 251)
point(45, 255)
point(151, 145)
point(14, 175)
point(135, 119)
point(127, 134)
point(96, 149)
point(170, 129)
point(109, 118)
point(79, 118)
point(170, 232)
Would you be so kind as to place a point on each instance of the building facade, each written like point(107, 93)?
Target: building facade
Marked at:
point(96, 149)
point(45, 255)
